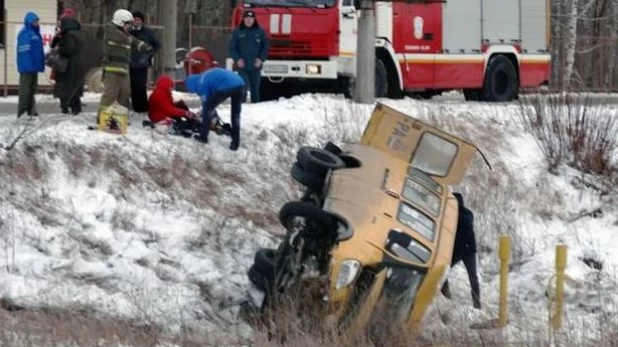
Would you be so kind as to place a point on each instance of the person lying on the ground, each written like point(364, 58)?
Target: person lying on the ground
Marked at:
point(163, 111)
point(161, 105)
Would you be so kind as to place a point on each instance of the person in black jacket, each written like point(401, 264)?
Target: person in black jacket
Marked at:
point(140, 62)
point(70, 82)
point(249, 48)
point(67, 12)
point(465, 249)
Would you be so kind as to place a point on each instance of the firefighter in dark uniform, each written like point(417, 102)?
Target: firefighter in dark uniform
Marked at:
point(249, 49)
point(119, 45)
point(465, 250)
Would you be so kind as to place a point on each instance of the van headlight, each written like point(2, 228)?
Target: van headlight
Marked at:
point(347, 273)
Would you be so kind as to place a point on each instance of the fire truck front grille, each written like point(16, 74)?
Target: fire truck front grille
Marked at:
point(296, 48)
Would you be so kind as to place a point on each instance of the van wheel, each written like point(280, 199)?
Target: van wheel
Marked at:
point(333, 148)
point(313, 220)
point(318, 161)
point(264, 262)
point(307, 179)
point(501, 81)
point(259, 279)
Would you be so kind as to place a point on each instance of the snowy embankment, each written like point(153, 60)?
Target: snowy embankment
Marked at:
point(87, 97)
point(163, 229)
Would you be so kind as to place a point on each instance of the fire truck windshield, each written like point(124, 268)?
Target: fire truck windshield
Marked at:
point(291, 3)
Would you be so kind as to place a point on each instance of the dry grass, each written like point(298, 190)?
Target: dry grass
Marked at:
point(63, 328)
point(570, 129)
point(20, 327)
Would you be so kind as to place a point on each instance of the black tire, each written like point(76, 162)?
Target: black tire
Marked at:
point(318, 161)
point(381, 79)
point(381, 82)
point(258, 279)
point(333, 148)
point(321, 221)
point(472, 94)
point(501, 80)
point(270, 91)
point(426, 95)
point(264, 262)
point(350, 161)
point(307, 179)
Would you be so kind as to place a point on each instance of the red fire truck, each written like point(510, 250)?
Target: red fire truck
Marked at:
point(490, 49)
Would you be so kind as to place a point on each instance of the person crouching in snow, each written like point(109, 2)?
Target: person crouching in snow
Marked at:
point(214, 86)
point(162, 110)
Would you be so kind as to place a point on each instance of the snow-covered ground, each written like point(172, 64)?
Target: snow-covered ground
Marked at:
point(87, 97)
point(163, 229)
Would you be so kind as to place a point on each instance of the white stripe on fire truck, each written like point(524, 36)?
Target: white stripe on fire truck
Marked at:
point(274, 23)
point(286, 23)
point(534, 58)
point(441, 58)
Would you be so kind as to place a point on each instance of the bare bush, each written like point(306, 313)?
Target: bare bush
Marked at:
point(570, 129)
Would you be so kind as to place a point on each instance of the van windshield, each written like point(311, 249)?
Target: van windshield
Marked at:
point(291, 3)
point(434, 155)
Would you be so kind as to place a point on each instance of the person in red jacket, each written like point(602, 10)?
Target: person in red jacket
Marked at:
point(161, 105)
point(164, 111)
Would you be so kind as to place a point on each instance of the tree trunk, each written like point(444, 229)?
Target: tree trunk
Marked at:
point(556, 43)
point(570, 41)
point(613, 37)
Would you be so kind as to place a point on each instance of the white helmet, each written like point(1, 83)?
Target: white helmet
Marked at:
point(122, 17)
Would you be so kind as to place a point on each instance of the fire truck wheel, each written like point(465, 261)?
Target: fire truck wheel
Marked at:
point(381, 79)
point(501, 80)
point(381, 82)
point(472, 94)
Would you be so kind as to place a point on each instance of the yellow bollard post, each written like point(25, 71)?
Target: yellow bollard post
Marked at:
point(561, 261)
point(505, 254)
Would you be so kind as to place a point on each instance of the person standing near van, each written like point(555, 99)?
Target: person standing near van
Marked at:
point(249, 49)
point(30, 61)
point(465, 250)
point(140, 62)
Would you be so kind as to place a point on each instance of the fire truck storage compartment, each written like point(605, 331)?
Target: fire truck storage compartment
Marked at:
point(534, 25)
point(500, 21)
point(384, 20)
point(462, 26)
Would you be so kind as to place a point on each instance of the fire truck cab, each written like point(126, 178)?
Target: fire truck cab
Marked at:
point(490, 49)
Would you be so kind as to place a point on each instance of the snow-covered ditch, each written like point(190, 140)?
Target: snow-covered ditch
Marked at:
point(163, 229)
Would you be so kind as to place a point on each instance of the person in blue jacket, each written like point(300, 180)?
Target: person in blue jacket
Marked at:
point(214, 86)
point(30, 61)
point(249, 48)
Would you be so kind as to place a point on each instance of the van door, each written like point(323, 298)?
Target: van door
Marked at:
point(442, 156)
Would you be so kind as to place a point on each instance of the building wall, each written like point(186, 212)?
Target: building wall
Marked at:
point(15, 11)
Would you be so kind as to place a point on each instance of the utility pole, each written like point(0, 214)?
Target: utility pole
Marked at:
point(168, 17)
point(365, 54)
